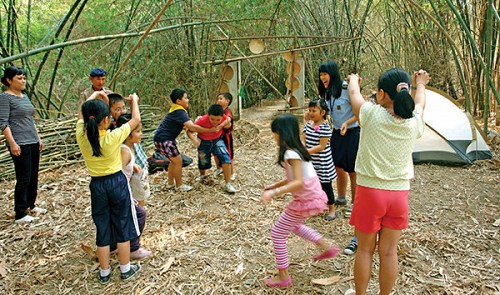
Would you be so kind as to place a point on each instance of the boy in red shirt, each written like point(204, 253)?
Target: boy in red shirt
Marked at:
point(212, 143)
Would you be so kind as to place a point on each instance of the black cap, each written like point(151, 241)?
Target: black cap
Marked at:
point(98, 72)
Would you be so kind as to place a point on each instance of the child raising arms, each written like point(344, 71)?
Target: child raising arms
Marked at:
point(308, 198)
point(317, 138)
point(384, 168)
point(111, 203)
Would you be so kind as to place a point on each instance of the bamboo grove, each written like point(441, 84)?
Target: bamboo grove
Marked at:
point(151, 46)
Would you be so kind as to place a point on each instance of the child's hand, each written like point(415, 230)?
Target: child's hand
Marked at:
point(134, 97)
point(196, 143)
point(98, 94)
point(266, 197)
point(137, 169)
point(353, 77)
point(420, 77)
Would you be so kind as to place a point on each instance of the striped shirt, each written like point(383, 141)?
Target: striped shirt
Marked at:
point(322, 161)
point(17, 113)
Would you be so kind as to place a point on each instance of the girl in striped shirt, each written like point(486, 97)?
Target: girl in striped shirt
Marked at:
point(317, 133)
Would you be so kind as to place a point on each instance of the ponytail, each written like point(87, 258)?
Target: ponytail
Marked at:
point(404, 104)
point(396, 83)
point(94, 111)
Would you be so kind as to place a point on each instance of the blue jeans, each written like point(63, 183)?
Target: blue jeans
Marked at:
point(209, 147)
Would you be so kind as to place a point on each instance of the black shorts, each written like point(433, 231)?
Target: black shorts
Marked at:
point(112, 209)
point(345, 148)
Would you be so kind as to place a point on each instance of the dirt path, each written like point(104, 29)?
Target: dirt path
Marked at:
point(207, 241)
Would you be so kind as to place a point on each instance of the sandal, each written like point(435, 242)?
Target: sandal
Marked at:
point(330, 218)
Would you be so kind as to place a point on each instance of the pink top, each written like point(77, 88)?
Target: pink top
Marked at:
point(310, 200)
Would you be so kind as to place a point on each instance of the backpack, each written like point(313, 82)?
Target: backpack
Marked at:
point(158, 162)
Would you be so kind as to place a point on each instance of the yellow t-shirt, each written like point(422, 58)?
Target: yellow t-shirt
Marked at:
point(110, 161)
point(386, 143)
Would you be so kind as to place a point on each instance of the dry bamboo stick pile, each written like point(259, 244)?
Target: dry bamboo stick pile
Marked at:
point(60, 148)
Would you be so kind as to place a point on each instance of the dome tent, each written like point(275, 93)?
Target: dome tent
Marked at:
point(451, 136)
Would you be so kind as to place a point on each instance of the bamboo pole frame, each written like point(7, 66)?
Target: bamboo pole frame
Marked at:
point(217, 62)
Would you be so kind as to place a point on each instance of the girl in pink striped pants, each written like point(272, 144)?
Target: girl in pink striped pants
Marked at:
point(308, 198)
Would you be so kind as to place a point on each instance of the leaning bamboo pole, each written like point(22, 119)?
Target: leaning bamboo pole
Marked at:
point(155, 21)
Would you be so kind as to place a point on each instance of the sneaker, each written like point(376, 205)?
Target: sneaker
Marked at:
point(104, 280)
point(39, 210)
point(169, 186)
point(200, 178)
point(134, 269)
point(183, 188)
point(351, 247)
point(218, 172)
point(26, 219)
point(229, 188)
point(140, 254)
point(348, 212)
point(340, 201)
point(233, 176)
point(350, 292)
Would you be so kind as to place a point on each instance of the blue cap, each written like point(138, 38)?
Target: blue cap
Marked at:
point(98, 72)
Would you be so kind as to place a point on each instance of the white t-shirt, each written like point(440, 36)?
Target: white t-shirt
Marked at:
point(307, 167)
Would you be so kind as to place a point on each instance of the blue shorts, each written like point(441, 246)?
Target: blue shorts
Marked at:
point(209, 147)
point(112, 209)
point(345, 148)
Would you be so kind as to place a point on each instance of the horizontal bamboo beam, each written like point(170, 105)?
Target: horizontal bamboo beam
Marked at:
point(218, 62)
point(277, 37)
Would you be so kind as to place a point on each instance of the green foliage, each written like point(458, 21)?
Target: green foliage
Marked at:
point(409, 34)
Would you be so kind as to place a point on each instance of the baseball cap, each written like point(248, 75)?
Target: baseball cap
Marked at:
point(98, 72)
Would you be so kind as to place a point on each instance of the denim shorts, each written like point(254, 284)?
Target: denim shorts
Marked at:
point(209, 147)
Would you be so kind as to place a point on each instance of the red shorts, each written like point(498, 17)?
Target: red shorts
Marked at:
point(374, 208)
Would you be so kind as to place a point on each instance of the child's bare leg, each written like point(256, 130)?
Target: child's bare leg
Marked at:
point(103, 256)
point(226, 170)
point(142, 203)
point(352, 179)
point(170, 174)
point(123, 252)
point(176, 165)
point(323, 244)
point(331, 210)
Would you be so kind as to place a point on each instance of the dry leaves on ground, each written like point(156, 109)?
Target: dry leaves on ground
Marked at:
point(206, 241)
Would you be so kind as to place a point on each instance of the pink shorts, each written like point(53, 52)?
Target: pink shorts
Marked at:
point(374, 208)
